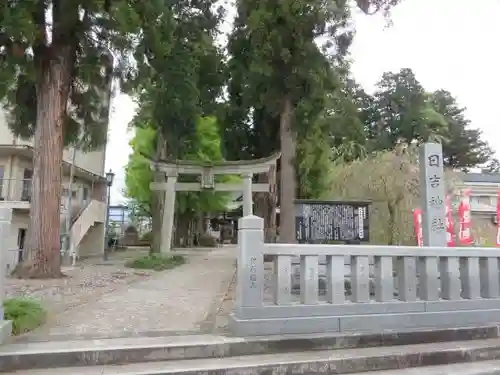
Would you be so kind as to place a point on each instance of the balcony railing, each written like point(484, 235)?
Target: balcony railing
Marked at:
point(18, 190)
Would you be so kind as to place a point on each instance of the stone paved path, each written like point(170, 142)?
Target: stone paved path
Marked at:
point(177, 301)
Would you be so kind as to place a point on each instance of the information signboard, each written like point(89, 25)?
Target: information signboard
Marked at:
point(327, 221)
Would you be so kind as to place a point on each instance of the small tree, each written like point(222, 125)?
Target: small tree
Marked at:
point(390, 179)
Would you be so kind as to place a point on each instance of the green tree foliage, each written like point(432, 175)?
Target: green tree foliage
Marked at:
point(56, 62)
point(185, 76)
point(462, 145)
point(278, 75)
point(206, 149)
point(138, 174)
point(403, 112)
point(183, 80)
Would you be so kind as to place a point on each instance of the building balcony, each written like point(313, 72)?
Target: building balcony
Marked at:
point(15, 193)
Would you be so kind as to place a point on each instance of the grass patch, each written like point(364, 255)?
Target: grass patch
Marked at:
point(26, 314)
point(156, 262)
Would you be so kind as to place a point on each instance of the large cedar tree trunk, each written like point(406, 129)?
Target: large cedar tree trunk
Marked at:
point(288, 178)
point(265, 204)
point(43, 245)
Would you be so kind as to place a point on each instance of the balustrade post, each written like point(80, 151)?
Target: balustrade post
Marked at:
point(469, 277)
point(450, 278)
point(5, 222)
point(429, 278)
point(250, 264)
point(407, 278)
point(282, 280)
point(335, 288)
point(309, 279)
point(360, 279)
point(384, 280)
point(489, 277)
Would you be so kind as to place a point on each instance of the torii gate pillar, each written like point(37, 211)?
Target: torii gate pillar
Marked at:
point(245, 169)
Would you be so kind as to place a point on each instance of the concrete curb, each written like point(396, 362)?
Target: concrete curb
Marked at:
point(42, 355)
point(345, 361)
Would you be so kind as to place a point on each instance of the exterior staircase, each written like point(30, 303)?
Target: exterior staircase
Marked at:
point(465, 351)
point(93, 212)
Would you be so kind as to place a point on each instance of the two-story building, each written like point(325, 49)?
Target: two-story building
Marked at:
point(88, 194)
point(484, 195)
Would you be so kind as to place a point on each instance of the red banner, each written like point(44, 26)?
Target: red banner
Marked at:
point(417, 225)
point(464, 214)
point(450, 228)
point(498, 219)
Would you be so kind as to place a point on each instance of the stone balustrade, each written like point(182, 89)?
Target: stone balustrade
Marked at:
point(378, 288)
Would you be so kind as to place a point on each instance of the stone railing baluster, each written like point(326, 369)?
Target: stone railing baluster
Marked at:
point(309, 279)
point(469, 277)
point(450, 278)
point(360, 279)
point(429, 278)
point(384, 280)
point(406, 278)
point(488, 268)
point(335, 287)
point(283, 279)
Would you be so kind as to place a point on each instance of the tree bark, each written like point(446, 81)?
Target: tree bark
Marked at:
point(287, 173)
point(265, 204)
point(43, 245)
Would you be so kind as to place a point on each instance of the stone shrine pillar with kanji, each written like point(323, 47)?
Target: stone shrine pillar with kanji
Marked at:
point(433, 194)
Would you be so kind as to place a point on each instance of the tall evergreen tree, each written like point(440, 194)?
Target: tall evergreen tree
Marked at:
point(184, 80)
point(56, 59)
point(463, 147)
point(402, 112)
point(279, 67)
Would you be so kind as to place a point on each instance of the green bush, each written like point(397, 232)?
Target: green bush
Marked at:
point(26, 314)
point(207, 241)
point(156, 262)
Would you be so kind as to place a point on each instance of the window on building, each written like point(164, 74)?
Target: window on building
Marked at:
point(85, 194)
point(481, 200)
point(27, 176)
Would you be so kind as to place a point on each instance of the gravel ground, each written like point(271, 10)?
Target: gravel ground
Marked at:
point(97, 301)
point(83, 283)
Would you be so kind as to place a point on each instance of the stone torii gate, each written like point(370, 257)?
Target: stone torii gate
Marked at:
point(207, 171)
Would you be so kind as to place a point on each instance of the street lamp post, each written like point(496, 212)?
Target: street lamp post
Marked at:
point(109, 182)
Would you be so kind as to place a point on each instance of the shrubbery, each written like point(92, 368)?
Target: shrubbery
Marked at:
point(25, 314)
point(156, 262)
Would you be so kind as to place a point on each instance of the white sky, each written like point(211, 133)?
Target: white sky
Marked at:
point(449, 44)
